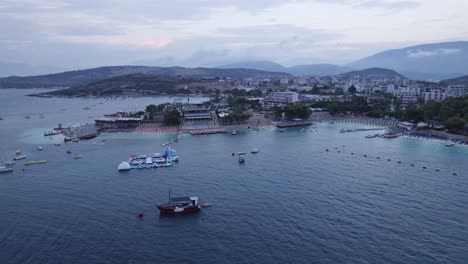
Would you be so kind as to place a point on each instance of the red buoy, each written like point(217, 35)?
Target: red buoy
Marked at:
point(140, 214)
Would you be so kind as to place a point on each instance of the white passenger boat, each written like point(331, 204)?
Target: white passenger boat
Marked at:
point(5, 169)
point(19, 157)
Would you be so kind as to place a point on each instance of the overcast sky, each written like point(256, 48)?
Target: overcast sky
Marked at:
point(81, 33)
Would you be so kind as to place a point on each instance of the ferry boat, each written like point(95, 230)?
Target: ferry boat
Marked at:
point(179, 205)
point(148, 162)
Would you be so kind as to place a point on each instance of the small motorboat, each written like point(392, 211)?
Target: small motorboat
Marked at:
point(40, 148)
point(241, 157)
point(449, 143)
point(77, 157)
point(69, 152)
point(18, 152)
point(19, 157)
point(254, 151)
point(206, 204)
point(57, 144)
point(75, 140)
point(5, 169)
point(29, 162)
point(390, 135)
point(41, 161)
point(234, 132)
point(10, 163)
point(372, 136)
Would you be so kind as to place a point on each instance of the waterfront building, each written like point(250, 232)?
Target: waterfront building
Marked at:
point(281, 98)
point(196, 112)
point(407, 94)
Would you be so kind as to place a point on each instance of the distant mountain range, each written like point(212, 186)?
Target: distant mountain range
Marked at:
point(308, 69)
point(436, 61)
point(430, 61)
point(463, 80)
point(84, 77)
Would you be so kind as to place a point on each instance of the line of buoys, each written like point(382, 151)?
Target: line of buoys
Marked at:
point(399, 162)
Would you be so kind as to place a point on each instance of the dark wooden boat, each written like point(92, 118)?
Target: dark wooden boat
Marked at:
point(180, 205)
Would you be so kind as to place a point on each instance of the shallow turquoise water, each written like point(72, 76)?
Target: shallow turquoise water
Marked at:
point(293, 202)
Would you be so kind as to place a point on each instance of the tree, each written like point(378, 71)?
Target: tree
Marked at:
point(339, 91)
point(414, 114)
point(431, 110)
point(292, 111)
point(455, 124)
point(352, 89)
point(151, 109)
point(172, 118)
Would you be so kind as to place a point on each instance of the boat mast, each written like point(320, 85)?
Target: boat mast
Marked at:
point(169, 195)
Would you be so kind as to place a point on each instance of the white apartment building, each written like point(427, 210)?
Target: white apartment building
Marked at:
point(282, 98)
point(407, 94)
point(436, 94)
point(456, 91)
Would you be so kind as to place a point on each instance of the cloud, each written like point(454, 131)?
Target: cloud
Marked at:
point(419, 53)
point(394, 6)
point(386, 5)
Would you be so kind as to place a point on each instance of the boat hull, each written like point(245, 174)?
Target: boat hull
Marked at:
point(172, 210)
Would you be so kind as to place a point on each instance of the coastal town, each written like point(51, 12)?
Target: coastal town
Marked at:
point(422, 109)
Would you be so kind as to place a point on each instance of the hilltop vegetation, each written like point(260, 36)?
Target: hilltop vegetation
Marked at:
point(88, 76)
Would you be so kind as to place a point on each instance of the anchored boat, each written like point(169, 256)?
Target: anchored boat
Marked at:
point(180, 205)
point(241, 157)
